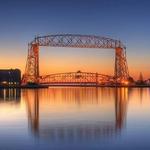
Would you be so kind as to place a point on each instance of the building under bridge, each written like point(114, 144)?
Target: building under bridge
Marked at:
point(10, 77)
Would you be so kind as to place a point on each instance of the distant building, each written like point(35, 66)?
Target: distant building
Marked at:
point(10, 77)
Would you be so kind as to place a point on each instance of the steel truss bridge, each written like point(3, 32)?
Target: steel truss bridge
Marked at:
point(76, 78)
point(31, 75)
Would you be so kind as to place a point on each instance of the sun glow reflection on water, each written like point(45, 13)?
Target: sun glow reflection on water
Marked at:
point(74, 117)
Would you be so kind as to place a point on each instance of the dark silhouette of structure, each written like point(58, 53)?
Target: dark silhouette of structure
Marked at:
point(10, 77)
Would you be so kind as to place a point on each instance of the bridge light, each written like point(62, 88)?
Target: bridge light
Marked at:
point(4, 82)
point(126, 82)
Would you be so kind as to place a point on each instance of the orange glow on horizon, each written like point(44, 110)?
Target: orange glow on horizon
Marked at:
point(59, 63)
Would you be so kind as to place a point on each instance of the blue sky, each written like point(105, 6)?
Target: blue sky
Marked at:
point(127, 20)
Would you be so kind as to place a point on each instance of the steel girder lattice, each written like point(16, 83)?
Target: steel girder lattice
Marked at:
point(75, 41)
point(76, 78)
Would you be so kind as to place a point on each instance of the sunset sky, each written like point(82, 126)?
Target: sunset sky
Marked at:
point(125, 20)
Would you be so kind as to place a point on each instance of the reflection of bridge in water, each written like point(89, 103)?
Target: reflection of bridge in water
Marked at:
point(104, 122)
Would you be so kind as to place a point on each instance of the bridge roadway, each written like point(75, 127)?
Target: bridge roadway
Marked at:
point(77, 78)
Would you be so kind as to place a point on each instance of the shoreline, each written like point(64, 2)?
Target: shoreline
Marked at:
point(47, 86)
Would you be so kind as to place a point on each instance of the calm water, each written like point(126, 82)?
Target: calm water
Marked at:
point(75, 118)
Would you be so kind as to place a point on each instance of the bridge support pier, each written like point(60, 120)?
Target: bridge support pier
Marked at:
point(36, 68)
point(121, 69)
point(32, 67)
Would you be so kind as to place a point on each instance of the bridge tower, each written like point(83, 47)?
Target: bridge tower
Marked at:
point(31, 75)
point(32, 65)
point(121, 73)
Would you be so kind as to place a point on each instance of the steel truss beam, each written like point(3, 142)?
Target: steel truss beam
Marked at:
point(77, 41)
